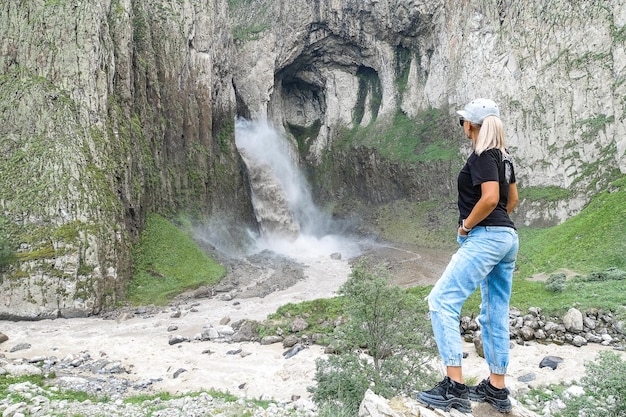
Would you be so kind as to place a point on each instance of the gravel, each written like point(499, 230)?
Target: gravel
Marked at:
point(29, 399)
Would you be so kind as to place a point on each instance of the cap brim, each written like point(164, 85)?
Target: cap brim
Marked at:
point(461, 113)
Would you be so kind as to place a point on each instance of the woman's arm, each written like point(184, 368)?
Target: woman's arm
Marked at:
point(513, 198)
point(490, 195)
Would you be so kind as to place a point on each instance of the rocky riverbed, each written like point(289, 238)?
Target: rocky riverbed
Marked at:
point(186, 347)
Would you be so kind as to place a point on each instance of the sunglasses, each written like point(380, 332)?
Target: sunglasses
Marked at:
point(461, 121)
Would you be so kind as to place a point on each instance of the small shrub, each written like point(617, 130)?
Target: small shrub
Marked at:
point(556, 282)
point(333, 410)
point(341, 383)
point(605, 389)
point(610, 274)
point(386, 344)
point(6, 253)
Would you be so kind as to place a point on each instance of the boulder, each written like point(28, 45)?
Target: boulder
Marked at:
point(573, 320)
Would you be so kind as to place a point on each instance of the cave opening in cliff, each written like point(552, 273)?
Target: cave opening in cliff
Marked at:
point(302, 103)
point(369, 87)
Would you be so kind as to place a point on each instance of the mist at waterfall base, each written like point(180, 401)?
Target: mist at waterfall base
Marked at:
point(289, 222)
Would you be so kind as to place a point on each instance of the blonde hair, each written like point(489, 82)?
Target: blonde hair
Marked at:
point(491, 135)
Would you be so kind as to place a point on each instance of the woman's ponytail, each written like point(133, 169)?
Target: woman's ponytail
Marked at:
point(491, 135)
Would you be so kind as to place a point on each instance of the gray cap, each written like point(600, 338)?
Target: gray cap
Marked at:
point(476, 110)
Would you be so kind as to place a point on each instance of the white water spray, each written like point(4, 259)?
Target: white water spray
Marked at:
point(289, 221)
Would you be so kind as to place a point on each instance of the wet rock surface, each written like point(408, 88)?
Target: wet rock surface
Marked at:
point(253, 276)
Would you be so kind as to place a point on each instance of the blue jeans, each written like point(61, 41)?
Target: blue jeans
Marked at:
point(486, 257)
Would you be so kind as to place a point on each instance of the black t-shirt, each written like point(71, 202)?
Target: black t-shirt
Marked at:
point(488, 166)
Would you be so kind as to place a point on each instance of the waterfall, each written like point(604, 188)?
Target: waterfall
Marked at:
point(289, 221)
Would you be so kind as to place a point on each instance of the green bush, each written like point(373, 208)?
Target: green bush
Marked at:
point(333, 410)
point(556, 282)
point(341, 383)
point(610, 274)
point(386, 344)
point(6, 253)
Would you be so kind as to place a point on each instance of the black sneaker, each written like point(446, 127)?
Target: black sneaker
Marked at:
point(497, 397)
point(446, 395)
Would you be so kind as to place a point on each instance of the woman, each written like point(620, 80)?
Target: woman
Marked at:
point(486, 257)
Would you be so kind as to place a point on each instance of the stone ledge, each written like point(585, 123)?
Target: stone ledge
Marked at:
point(376, 406)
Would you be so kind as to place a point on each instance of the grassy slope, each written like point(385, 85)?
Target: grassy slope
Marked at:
point(428, 223)
point(167, 262)
point(593, 240)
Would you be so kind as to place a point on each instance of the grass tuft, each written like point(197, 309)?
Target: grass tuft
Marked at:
point(41, 381)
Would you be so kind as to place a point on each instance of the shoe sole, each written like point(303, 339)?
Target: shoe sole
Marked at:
point(501, 408)
point(445, 405)
point(477, 398)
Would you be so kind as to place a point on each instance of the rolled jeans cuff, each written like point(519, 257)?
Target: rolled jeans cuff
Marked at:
point(498, 370)
point(452, 361)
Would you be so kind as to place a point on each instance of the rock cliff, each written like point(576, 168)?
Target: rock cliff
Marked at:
point(558, 70)
point(110, 109)
point(114, 108)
